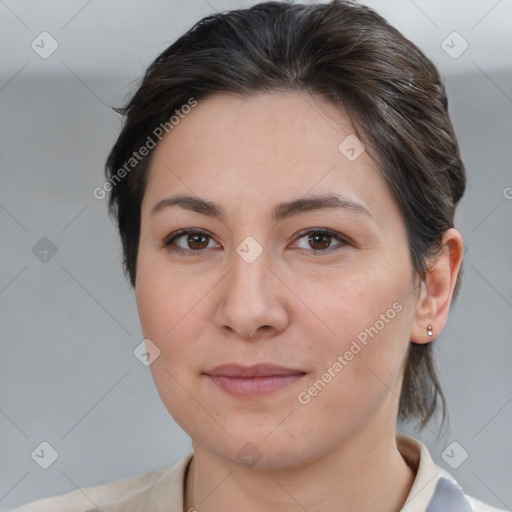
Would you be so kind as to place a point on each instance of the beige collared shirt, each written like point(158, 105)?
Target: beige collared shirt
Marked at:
point(434, 490)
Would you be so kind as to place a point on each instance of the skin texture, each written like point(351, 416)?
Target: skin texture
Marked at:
point(290, 306)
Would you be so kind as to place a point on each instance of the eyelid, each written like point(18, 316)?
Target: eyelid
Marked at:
point(185, 231)
point(182, 232)
point(343, 240)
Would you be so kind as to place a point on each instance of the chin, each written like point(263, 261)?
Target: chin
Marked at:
point(257, 449)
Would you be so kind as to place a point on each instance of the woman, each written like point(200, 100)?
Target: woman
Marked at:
point(285, 186)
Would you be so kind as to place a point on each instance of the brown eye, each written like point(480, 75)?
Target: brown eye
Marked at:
point(320, 241)
point(197, 241)
point(188, 241)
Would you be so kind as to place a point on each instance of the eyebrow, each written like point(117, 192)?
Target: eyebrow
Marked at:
point(281, 211)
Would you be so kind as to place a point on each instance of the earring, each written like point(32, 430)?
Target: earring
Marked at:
point(429, 330)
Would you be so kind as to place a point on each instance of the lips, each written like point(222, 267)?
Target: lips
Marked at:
point(259, 370)
point(253, 381)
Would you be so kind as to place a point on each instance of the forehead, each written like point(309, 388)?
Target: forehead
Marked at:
point(264, 148)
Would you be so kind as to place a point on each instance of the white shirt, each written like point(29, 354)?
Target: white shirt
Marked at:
point(433, 490)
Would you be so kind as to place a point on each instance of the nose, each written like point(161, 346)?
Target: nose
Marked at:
point(252, 300)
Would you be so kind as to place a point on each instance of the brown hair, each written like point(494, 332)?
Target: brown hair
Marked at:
point(348, 54)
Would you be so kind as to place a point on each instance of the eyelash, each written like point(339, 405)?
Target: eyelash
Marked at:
point(343, 241)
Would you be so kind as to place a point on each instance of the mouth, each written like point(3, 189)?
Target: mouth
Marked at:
point(257, 380)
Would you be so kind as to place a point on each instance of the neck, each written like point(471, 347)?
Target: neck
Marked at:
point(366, 473)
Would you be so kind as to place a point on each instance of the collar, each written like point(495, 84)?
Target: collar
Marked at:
point(433, 490)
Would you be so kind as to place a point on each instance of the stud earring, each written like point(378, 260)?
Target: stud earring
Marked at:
point(429, 330)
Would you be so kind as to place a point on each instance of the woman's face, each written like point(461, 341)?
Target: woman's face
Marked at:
point(299, 259)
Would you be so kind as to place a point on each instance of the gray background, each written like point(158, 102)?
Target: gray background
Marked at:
point(69, 325)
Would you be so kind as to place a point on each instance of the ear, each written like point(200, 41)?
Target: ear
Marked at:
point(433, 303)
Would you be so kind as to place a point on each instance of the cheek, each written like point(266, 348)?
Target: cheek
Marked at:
point(167, 306)
point(164, 295)
point(366, 321)
point(353, 304)
point(170, 304)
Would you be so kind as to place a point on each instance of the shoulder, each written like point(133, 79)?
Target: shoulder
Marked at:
point(434, 489)
point(121, 492)
point(143, 492)
point(479, 506)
